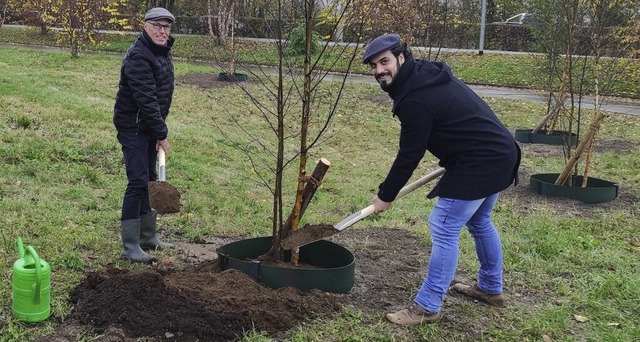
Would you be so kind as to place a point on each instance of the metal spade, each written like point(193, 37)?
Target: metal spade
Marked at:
point(164, 197)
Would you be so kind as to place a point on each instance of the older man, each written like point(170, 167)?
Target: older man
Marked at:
point(140, 112)
point(440, 114)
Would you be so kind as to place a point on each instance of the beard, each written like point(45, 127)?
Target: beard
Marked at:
point(388, 82)
point(385, 84)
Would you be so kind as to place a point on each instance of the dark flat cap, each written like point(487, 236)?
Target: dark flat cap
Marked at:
point(381, 44)
point(159, 13)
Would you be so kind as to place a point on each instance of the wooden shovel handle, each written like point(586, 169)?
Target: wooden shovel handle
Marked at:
point(162, 174)
point(420, 182)
point(357, 216)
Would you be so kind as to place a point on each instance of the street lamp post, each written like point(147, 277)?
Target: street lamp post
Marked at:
point(482, 22)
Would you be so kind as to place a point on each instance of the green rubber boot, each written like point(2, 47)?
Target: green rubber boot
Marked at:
point(131, 250)
point(148, 236)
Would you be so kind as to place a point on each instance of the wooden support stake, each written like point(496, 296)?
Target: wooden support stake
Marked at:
point(309, 190)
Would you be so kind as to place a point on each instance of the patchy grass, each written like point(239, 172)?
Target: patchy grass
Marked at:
point(62, 180)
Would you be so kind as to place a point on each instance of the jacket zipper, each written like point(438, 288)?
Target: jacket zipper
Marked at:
point(137, 121)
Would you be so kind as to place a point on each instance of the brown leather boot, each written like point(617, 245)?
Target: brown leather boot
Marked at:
point(413, 315)
point(474, 292)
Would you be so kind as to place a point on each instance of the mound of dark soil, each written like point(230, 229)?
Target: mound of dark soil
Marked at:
point(202, 303)
point(199, 303)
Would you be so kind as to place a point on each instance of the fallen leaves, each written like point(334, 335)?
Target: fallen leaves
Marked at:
point(580, 319)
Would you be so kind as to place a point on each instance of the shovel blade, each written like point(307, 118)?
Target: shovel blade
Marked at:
point(307, 235)
point(313, 233)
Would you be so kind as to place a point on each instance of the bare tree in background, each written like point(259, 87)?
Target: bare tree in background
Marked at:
point(584, 57)
point(608, 54)
point(3, 7)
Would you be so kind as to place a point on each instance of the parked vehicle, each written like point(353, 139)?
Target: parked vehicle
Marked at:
point(520, 19)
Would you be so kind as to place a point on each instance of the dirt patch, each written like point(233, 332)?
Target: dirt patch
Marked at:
point(198, 303)
point(203, 303)
point(528, 200)
point(164, 197)
point(206, 81)
point(611, 145)
point(381, 99)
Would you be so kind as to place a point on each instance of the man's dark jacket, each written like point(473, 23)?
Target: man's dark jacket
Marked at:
point(146, 88)
point(441, 114)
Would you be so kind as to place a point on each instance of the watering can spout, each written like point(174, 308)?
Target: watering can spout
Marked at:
point(20, 248)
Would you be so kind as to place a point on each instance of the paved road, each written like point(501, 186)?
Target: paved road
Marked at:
point(614, 106)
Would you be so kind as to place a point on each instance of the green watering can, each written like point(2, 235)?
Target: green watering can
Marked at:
point(31, 286)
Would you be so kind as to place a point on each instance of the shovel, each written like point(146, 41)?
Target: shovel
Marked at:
point(164, 197)
point(309, 234)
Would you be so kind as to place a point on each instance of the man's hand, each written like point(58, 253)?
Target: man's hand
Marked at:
point(380, 205)
point(164, 144)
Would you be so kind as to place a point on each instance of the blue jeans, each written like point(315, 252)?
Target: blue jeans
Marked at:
point(139, 151)
point(446, 221)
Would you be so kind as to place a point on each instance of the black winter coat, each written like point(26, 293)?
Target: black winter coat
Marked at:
point(441, 114)
point(145, 90)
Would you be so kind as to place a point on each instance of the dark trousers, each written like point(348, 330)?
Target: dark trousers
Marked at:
point(139, 151)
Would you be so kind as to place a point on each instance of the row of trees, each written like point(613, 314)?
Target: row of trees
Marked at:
point(436, 23)
point(77, 20)
point(382, 16)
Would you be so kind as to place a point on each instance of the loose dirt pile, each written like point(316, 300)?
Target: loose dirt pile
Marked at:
point(202, 303)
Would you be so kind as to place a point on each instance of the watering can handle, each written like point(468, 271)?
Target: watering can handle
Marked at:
point(36, 259)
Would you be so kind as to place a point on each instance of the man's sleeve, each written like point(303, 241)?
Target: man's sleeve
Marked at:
point(416, 122)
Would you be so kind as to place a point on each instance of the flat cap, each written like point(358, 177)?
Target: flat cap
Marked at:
point(159, 13)
point(381, 44)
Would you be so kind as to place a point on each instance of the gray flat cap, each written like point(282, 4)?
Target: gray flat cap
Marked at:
point(159, 13)
point(381, 44)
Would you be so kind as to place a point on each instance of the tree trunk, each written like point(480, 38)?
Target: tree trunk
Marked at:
point(209, 20)
point(4, 13)
point(224, 19)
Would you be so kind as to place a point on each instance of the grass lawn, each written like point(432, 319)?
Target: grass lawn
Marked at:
point(62, 179)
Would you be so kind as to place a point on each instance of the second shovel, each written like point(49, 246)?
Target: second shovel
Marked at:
point(164, 197)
